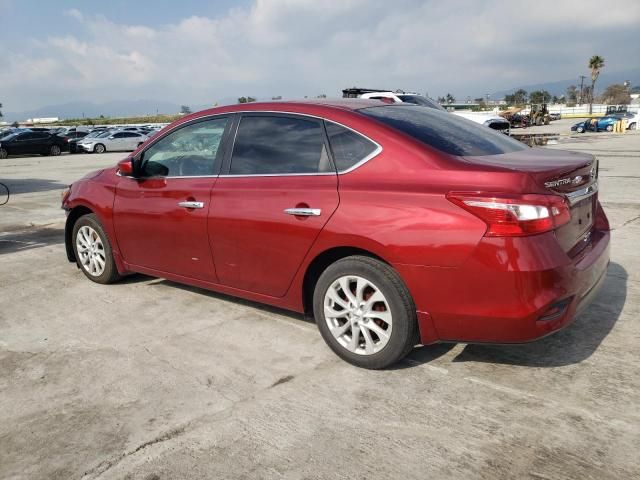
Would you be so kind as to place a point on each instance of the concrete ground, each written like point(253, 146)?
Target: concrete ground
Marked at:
point(148, 379)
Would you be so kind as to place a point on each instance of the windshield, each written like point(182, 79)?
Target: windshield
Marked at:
point(420, 100)
point(7, 137)
point(448, 133)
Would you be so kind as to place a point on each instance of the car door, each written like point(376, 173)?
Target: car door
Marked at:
point(116, 142)
point(131, 140)
point(160, 217)
point(23, 143)
point(278, 190)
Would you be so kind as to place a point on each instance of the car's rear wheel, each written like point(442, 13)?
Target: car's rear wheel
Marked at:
point(55, 150)
point(365, 312)
point(99, 148)
point(3, 153)
point(93, 250)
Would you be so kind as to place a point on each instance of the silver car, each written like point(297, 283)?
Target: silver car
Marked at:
point(115, 142)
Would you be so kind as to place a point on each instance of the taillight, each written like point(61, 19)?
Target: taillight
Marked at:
point(514, 215)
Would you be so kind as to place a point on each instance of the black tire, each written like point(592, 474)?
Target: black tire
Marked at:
point(99, 148)
point(632, 126)
point(580, 129)
point(3, 153)
point(404, 334)
point(609, 128)
point(55, 150)
point(110, 273)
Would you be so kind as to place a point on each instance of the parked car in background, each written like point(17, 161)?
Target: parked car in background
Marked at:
point(633, 121)
point(555, 116)
point(595, 125)
point(114, 142)
point(73, 144)
point(393, 224)
point(30, 143)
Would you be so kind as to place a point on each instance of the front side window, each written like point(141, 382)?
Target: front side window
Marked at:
point(279, 145)
point(349, 148)
point(187, 152)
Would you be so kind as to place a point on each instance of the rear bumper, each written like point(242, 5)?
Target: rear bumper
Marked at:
point(510, 291)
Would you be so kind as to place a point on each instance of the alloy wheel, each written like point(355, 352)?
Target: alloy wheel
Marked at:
point(91, 251)
point(358, 315)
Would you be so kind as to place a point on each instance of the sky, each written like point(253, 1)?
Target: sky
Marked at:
point(198, 52)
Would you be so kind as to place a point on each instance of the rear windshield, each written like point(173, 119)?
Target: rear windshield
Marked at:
point(444, 131)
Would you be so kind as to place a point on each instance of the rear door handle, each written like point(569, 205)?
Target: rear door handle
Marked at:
point(191, 204)
point(303, 212)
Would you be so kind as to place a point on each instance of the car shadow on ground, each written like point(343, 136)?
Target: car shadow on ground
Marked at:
point(237, 300)
point(28, 185)
point(31, 238)
point(571, 345)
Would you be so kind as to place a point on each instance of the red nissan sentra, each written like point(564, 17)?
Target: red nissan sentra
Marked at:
point(393, 224)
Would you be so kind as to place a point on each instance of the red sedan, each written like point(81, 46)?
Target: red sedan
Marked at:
point(392, 224)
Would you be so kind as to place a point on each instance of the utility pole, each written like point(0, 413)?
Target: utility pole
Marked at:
point(582, 77)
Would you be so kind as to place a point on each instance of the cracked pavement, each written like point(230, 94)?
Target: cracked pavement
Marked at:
point(147, 379)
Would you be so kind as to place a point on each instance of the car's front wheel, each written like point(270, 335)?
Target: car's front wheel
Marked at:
point(365, 312)
point(99, 148)
point(580, 129)
point(93, 250)
point(55, 150)
point(609, 128)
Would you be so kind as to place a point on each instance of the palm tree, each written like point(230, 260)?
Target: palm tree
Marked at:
point(595, 64)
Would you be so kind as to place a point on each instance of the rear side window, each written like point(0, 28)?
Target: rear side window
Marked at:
point(349, 148)
point(270, 145)
point(444, 131)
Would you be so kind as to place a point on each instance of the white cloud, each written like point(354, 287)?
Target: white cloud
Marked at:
point(306, 47)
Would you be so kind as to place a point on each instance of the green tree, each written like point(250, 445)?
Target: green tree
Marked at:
point(246, 100)
point(572, 95)
point(185, 110)
point(519, 97)
point(450, 98)
point(539, 96)
point(15, 124)
point(0, 110)
point(616, 94)
point(596, 63)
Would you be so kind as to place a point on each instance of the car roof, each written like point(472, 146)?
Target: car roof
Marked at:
point(349, 104)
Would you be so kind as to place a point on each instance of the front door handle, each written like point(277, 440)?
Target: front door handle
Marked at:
point(191, 204)
point(303, 212)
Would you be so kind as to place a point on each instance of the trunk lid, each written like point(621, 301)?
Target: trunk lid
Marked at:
point(573, 175)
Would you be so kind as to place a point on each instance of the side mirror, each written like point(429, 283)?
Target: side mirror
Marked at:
point(125, 167)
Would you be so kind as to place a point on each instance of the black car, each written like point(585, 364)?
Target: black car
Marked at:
point(29, 143)
point(71, 137)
